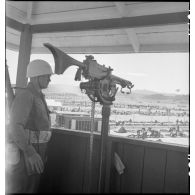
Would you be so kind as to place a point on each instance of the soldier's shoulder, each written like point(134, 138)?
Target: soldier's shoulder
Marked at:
point(24, 93)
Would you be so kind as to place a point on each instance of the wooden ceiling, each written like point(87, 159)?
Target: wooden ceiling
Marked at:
point(100, 27)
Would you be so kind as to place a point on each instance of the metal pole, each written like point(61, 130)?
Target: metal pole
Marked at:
point(91, 146)
point(104, 136)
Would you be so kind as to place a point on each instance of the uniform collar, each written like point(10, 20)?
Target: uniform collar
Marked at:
point(34, 90)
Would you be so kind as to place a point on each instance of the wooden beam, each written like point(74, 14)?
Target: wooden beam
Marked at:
point(11, 46)
point(157, 48)
point(125, 22)
point(29, 12)
point(24, 56)
point(131, 34)
point(121, 8)
point(14, 24)
point(133, 39)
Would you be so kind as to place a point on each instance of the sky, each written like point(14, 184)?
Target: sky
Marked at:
point(160, 72)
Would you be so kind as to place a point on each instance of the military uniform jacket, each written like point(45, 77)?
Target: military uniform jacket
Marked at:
point(29, 112)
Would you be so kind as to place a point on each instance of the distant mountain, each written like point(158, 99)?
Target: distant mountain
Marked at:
point(62, 88)
point(136, 95)
point(144, 92)
point(65, 88)
point(157, 96)
point(167, 97)
point(152, 96)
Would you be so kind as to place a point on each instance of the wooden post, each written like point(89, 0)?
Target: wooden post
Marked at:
point(24, 56)
point(103, 149)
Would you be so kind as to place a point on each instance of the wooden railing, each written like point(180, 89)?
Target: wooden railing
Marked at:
point(149, 167)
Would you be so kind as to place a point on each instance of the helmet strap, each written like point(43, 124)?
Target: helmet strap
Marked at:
point(35, 81)
point(38, 82)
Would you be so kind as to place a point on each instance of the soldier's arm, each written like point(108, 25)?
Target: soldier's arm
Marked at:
point(20, 111)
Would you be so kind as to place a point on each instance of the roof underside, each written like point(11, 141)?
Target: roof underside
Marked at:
point(100, 27)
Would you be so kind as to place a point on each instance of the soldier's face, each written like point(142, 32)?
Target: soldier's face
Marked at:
point(44, 81)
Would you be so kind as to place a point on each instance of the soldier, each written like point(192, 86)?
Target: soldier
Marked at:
point(29, 132)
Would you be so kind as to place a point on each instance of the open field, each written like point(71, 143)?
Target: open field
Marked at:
point(141, 109)
point(165, 139)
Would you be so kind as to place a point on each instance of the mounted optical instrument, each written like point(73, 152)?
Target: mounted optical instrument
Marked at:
point(101, 85)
